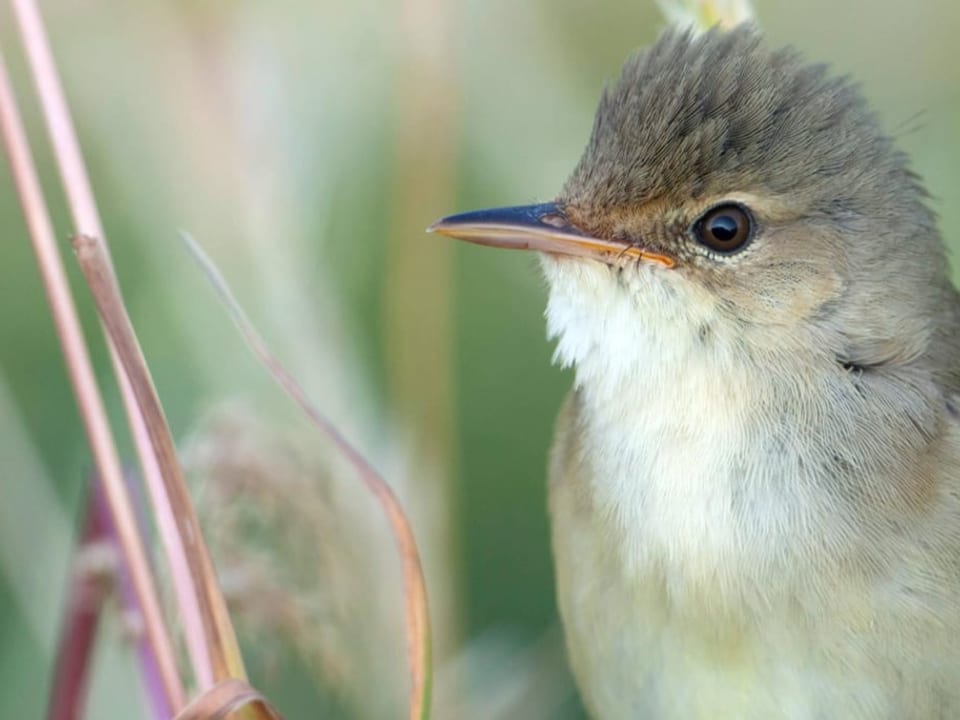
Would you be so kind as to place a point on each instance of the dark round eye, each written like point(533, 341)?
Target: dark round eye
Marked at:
point(725, 228)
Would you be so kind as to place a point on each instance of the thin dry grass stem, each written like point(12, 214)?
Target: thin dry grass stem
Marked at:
point(415, 592)
point(221, 640)
point(84, 385)
point(229, 698)
point(86, 219)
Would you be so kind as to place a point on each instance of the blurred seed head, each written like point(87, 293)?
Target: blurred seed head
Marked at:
point(296, 564)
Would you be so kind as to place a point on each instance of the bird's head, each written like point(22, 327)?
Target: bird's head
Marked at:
point(730, 190)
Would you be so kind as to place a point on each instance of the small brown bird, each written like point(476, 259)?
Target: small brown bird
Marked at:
point(755, 484)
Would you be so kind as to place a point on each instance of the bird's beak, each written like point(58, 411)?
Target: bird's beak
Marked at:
point(539, 227)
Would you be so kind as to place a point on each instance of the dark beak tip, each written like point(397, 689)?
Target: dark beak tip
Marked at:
point(529, 216)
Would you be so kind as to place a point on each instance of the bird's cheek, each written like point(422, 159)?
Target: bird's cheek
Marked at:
point(787, 297)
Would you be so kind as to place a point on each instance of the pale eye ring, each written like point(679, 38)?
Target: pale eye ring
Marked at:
point(725, 228)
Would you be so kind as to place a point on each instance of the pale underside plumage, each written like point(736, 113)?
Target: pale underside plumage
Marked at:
point(756, 513)
point(701, 573)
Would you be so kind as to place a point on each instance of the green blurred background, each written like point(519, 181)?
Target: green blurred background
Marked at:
point(307, 145)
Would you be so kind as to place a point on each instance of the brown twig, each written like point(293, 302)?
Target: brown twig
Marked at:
point(87, 221)
point(221, 641)
point(84, 383)
point(415, 591)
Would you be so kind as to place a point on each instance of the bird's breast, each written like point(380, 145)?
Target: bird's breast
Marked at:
point(690, 465)
point(665, 429)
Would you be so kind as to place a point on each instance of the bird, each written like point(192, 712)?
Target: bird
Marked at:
point(754, 487)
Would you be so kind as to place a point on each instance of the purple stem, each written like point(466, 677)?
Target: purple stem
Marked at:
point(68, 692)
point(82, 617)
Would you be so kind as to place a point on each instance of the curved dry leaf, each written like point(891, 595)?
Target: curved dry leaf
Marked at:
point(220, 637)
point(415, 589)
point(225, 699)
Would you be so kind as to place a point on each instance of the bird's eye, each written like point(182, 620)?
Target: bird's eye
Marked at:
point(725, 228)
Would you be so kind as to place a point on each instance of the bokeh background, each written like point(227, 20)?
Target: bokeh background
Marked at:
point(307, 145)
